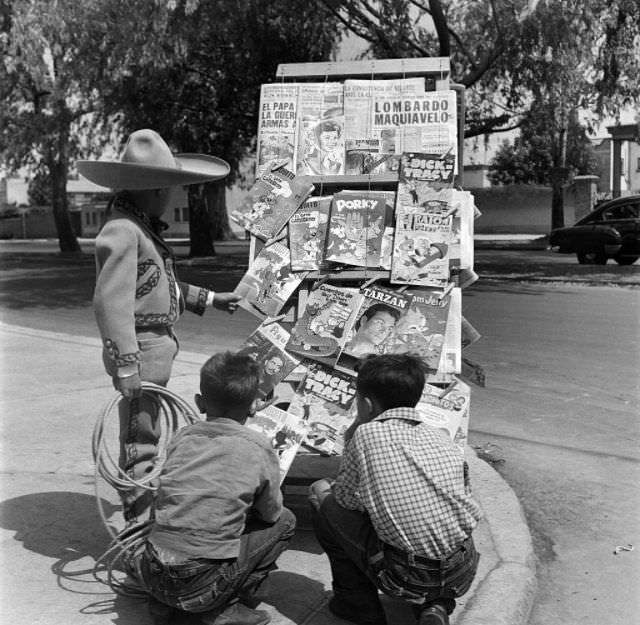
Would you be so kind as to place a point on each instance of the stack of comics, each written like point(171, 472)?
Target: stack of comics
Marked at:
point(349, 272)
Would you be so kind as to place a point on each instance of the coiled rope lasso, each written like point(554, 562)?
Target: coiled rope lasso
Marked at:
point(173, 413)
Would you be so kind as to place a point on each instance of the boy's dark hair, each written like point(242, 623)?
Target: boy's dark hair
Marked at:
point(393, 380)
point(229, 380)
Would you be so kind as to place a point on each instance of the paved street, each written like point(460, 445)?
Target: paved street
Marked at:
point(558, 415)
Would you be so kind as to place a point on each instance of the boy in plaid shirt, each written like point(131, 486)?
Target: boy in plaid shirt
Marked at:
point(399, 516)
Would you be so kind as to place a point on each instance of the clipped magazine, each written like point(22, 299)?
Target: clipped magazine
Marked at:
point(325, 401)
point(271, 202)
point(284, 430)
point(266, 345)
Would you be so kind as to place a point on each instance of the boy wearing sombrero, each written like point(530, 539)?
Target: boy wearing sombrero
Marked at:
point(138, 297)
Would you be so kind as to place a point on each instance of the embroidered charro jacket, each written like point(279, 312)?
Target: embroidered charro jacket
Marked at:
point(136, 284)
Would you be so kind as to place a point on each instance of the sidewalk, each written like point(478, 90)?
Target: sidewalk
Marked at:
point(53, 390)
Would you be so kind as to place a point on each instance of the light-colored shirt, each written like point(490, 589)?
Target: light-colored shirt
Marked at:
point(216, 473)
point(410, 478)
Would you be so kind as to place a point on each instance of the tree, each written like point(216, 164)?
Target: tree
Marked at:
point(529, 159)
point(516, 56)
point(59, 58)
point(205, 97)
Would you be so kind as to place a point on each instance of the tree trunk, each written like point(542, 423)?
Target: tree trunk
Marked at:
point(440, 22)
point(558, 177)
point(200, 233)
point(67, 239)
point(216, 198)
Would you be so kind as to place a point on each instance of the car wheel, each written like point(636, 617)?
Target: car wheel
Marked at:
point(625, 260)
point(592, 258)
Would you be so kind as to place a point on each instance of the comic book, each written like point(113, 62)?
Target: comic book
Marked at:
point(321, 330)
point(421, 328)
point(268, 282)
point(417, 122)
point(320, 147)
point(270, 203)
point(422, 241)
point(419, 171)
point(447, 409)
point(277, 117)
point(307, 233)
point(451, 355)
point(379, 312)
point(324, 400)
point(366, 152)
point(284, 430)
point(266, 345)
point(356, 228)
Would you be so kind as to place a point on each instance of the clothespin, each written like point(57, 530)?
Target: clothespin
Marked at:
point(278, 237)
point(369, 282)
point(448, 389)
point(447, 290)
point(320, 281)
point(270, 320)
point(278, 164)
point(267, 403)
point(402, 289)
point(451, 212)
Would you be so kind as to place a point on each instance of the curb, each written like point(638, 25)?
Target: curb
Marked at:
point(505, 596)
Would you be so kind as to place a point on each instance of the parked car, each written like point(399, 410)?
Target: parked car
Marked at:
point(611, 231)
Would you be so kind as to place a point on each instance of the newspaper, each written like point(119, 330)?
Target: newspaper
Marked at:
point(420, 122)
point(366, 152)
point(320, 147)
point(277, 123)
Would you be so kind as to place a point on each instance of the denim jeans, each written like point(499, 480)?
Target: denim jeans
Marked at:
point(205, 585)
point(139, 419)
point(361, 564)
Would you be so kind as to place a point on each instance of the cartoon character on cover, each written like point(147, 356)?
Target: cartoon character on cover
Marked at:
point(425, 252)
point(308, 335)
point(409, 337)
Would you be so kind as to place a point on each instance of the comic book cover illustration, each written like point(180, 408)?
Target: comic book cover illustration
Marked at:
point(322, 328)
point(320, 148)
point(421, 247)
point(271, 202)
point(266, 345)
point(417, 122)
point(421, 328)
point(268, 282)
point(376, 319)
point(307, 233)
point(418, 170)
point(368, 152)
point(451, 354)
point(277, 117)
point(324, 400)
point(356, 228)
point(447, 409)
point(284, 430)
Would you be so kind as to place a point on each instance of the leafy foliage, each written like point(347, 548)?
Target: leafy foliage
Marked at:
point(530, 159)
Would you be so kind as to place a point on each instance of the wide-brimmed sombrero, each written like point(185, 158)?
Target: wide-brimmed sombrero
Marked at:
point(148, 163)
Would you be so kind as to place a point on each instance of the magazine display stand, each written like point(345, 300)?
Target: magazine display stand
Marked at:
point(320, 284)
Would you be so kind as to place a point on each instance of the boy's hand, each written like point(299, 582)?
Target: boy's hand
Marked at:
point(226, 301)
point(318, 491)
point(130, 387)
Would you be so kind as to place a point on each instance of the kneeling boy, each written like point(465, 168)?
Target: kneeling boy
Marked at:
point(399, 516)
point(219, 521)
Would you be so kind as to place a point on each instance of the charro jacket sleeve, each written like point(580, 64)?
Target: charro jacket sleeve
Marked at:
point(115, 291)
point(195, 297)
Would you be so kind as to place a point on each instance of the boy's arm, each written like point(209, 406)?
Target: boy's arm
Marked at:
point(197, 299)
point(268, 501)
point(345, 488)
point(114, 295)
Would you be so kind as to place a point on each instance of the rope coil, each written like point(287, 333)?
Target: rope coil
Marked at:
point(173, 413)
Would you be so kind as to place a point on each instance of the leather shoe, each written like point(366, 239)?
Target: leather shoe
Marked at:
point(435, 614)
point(237, 614)
point(348, 613)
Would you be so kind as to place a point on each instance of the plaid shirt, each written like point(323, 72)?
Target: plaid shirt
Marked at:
point(410, 478)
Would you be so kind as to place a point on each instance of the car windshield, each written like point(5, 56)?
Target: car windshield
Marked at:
point(618, 211)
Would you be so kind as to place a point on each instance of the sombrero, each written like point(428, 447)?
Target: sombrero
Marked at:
point(148, 163)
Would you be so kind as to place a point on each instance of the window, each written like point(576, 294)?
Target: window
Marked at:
point(638, 165)
point(176, 214)
point(87, 219)
point(624, 211)
point(181, 214)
